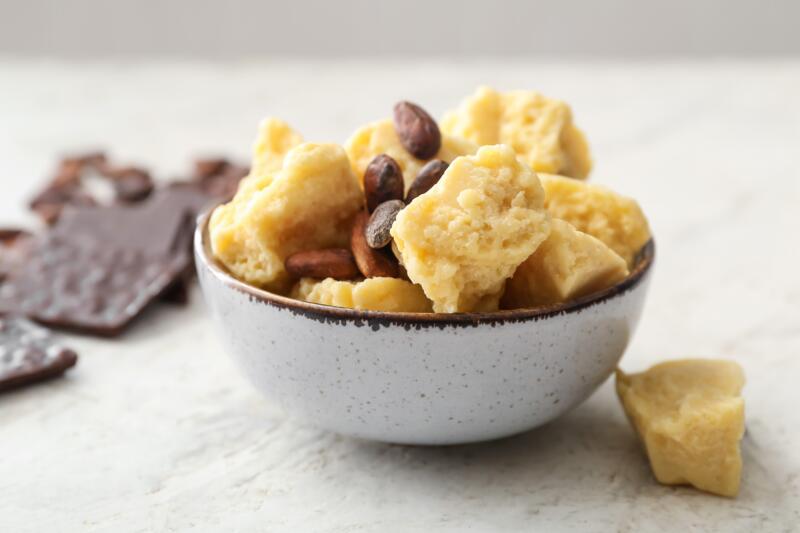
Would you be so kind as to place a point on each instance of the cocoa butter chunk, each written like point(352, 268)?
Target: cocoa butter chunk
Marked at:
point(689, 414)
point(372, 263)
point(380, 223)
point(426, 178)
point(336, 263)
point(383, 181)
point(418, 132)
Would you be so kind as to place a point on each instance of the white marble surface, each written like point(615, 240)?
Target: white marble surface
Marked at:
point(156, 431)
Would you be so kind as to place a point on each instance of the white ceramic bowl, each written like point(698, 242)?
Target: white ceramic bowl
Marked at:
point(423, 378)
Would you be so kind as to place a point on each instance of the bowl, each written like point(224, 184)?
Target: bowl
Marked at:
point(414, 378)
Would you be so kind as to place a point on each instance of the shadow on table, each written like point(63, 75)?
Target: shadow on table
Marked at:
point(587, 460)
point(593, 448)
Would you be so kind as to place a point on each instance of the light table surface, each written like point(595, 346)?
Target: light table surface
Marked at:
point(157, 430)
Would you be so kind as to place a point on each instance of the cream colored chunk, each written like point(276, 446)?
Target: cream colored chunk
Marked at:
point(275, 139)
point(538, 128)
point(616, 220)
point(327, 292)
point(464, 238)
point(690, 416)
point(569, 264)
point(373, 294)
point(309, 204)
point(381, 138)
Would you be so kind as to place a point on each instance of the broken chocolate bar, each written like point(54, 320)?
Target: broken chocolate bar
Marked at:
point(71, 185)
point(218, 177)
point(99, 267)
point(83, 285)
point(11, 245)
point(29, 353)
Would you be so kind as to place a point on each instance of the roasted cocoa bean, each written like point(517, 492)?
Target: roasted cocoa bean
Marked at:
point(426, 178)
point(372, 263)
point(336, 263)
point(383, 181)
point(417, 131)
point(380, 223)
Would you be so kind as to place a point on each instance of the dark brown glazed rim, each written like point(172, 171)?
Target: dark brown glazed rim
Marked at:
point(376, 319)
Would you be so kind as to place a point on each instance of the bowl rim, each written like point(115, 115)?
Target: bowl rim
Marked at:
point(328, 313)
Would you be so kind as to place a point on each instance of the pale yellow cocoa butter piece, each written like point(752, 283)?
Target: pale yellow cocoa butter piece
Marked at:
point(464, 238)
point(615, 219)
point(690, 417)
point(568, 264)
point(539, 129)
point(373, 294)
point(308, 204)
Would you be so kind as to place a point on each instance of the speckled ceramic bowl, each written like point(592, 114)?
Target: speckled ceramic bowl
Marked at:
point(423, 378)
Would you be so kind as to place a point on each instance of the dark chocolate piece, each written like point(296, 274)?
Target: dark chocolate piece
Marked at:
point(69, 186)
point(131, 184)
point(163, 223)
point(86, 286)
point(49, 203)
point(205, 167)
point(218, 177)
point(98, 268)
point(12, 243)
point(29, 354)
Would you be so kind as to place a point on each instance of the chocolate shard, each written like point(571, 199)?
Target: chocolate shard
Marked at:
point(12, 246)
point(71, 185)
point(218, 177)
point(30, 354)
point(98, 268)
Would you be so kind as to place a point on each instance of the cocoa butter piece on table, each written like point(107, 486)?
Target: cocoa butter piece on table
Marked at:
point(379, 225)
point(372, 263)
point(417, 131)
point(336, 263)
point(30, 354)
point(383, 181)
point(427, 177)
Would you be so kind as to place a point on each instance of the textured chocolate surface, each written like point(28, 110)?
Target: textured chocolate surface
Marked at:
point(105, 258)
point(12, 242)
point(159, 225)
point(29, 353)
point(218, 177)
point(99, 267)
point(71, 185)
point(80, 284)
